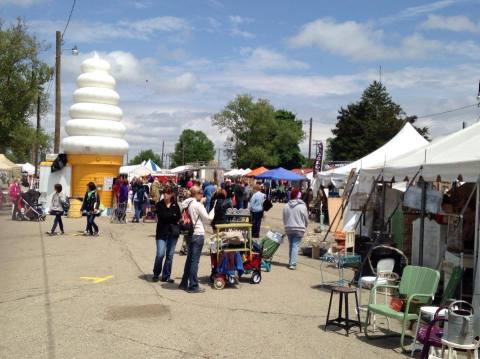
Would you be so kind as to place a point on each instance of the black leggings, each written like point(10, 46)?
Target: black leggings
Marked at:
point(57, 220)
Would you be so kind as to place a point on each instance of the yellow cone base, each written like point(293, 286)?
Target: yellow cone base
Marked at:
point(94, 168)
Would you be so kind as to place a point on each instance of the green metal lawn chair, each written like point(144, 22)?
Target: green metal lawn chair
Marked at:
point(417, 283)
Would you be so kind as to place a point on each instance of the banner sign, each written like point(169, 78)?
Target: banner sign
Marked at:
point(319, 159)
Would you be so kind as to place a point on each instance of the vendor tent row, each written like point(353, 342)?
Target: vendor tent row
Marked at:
point(278, 174)
point(408, 156)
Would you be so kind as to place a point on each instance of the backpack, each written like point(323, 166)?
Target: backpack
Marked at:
point(267, 205)
point(186, 225)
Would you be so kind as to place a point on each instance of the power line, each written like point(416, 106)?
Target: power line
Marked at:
point(447, 111)
point(69, 17)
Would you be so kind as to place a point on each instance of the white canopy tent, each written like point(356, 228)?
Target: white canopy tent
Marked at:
point(28, 168)
point(448, 157)
point(237, 172)
point(181, 169)
point(404, 141)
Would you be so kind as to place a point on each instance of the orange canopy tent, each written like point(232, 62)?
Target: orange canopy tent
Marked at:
point(256, 172)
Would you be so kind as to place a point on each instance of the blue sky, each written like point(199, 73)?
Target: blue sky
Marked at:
point(178, 62)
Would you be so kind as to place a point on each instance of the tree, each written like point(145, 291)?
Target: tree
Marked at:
point(146, 155)
point(260, 135)
point(22, 78)
point(193, 146)
point(366, 125)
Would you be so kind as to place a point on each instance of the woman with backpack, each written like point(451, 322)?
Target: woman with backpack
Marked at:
point(91, 206)
point(59, 204)
point(168, 217)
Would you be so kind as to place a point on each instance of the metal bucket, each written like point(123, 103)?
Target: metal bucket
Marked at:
point(460, 323)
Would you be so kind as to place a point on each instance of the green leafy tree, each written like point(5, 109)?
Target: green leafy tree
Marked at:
point(22, 78)
point(193, 146)
point(24, 138)
point(146, 155)
point(366, 125)
point(260, 135)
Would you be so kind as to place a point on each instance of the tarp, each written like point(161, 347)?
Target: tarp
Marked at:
point(449, 157)
point(281, 173)
point(406, 140)
point(141, 171)
point(6, 164)
point(128, 169)
point(237, 172)
point(256, 172)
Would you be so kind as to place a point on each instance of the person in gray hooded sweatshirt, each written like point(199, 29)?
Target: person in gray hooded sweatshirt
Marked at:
point(295, 221)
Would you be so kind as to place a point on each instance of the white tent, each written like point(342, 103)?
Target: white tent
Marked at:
point(128, 169)
point(152, 166)
point(448, 157)
point(404, 141)
point(140, 171)
point(181, 169)
point(237, 172)
point(27, 167)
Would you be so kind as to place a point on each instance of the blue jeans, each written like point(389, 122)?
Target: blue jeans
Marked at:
point(294, 240)
point(91, 226)
point(165, 247)
point(57, 221)
point(195, 245)
point(256, 223)
point(138, 209)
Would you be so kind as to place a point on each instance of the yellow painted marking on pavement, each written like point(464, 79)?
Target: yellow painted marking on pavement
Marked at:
point(97, 279)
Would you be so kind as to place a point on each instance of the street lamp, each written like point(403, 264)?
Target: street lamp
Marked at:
point(58, 101)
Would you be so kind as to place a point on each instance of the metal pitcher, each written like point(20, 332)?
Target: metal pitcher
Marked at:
point(460, 323)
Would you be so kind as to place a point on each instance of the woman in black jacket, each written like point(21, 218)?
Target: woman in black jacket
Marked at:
point(222, 203)
point(168, 217)
point(91, 206)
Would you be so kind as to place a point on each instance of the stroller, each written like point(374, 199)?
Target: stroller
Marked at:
point(28, 207)
point(119, 213)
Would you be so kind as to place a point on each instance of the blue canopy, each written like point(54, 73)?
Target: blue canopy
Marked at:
point(281, 173)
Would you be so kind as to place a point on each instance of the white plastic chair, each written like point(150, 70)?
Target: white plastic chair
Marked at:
point(384, 273)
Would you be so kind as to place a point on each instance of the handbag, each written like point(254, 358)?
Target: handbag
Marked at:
point(211, 214)
point(397, 304)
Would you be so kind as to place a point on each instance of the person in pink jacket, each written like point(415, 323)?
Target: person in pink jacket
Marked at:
point(13, 193)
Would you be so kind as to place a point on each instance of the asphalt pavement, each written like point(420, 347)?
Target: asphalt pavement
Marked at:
point(89, 297)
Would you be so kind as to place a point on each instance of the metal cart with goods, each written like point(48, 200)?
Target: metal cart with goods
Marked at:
point(232, 255)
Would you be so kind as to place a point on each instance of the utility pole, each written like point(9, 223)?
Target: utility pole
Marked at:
point(163, 148)
point(218, 160)
point(58, 100)
point(183, 153)
point(310, 141)
point(37, 145)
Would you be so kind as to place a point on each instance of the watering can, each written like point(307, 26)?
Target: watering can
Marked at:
point(460, 323)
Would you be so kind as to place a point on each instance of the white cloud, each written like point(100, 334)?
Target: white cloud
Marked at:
point(235, 30)
point(414, 11)
point(450, 23)
point(350, 38)
point(263, 58)
point(87, 32)
point(359, 41)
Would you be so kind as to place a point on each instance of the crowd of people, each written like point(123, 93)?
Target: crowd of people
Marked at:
point(204, 204)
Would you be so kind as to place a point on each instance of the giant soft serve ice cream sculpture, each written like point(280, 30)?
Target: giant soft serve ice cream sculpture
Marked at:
point(95, 145)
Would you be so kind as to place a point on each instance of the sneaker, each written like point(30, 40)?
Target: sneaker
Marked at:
point(182, 287)
point(167, 280)
point(292, 267)
point(197, 290)
point(62, 233)
point(155, 279)
point(52, 233)
point(96, 234)
point(86, 233)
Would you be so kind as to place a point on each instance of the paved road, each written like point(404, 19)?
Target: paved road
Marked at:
point(48, 311)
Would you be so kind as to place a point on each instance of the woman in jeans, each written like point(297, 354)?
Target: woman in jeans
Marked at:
point(199, 216)
point(91, 205)
point(295, 221)
point(56, 209)
point(168, 217)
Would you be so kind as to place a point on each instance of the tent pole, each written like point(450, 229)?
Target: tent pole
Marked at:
point(422, 222)
point(476, 253)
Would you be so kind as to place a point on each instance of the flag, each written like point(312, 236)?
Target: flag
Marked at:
point(319, 159)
